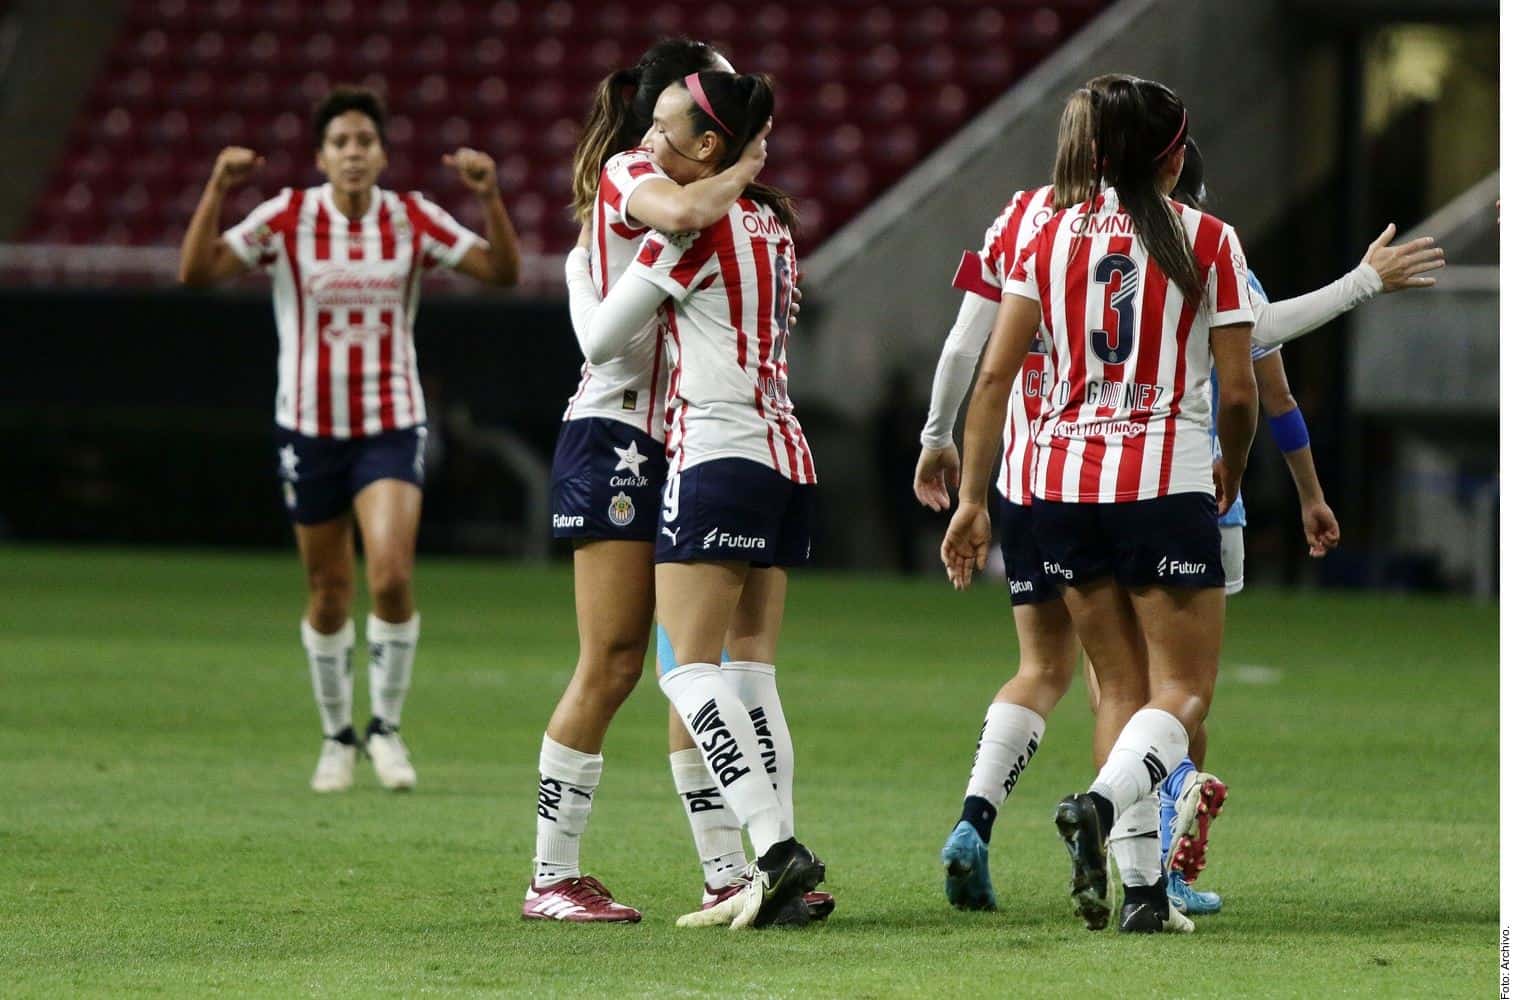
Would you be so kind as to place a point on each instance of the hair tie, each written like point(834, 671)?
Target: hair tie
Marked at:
point(1183, 132)
point(697, 91)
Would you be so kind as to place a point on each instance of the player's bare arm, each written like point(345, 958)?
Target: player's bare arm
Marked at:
point(204, 257)
point(674, 208)
point(1235, 407)
point(498, 261)
point(1322, 533)
point(966, 545)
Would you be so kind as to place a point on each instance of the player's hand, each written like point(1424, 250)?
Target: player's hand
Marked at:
point(937, 471)
point(755, 153)
point(794, 304)
point(1322, 533)
point(476, 170)
point(1406, 265)
point(234, 165)
point(1227, 485)
point(966, 545)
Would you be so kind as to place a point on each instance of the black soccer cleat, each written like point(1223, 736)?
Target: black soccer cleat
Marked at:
point(1078, 824)
point(789, 870)
point(1147, 911)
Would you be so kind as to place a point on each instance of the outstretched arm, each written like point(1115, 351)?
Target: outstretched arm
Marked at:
point(937, 468)
point(1384, 269)
point(1322, 533)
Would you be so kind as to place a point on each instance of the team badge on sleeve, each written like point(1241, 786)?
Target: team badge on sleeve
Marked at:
point(622, 511)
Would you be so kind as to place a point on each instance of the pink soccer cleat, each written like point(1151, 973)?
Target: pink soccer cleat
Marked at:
point(1198, 805)
point(583, 900)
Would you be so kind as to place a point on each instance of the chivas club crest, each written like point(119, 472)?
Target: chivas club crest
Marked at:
point(622, 510)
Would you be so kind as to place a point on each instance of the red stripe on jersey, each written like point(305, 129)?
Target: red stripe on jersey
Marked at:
point(657, 367)
point(767, 362)
point(1227, 295)
point(355, 238)
point(1008, 235)
point(386, 320)
point(323, 321)
point(1075, 300)
point(731, 280)
point(287, 224)
point(402, 357)
point(426, 222)
point(675, 379)
point(673, 330)
point(715, 238)
point(599, 235)
point(970, 277)
point(1206, 243)
point(609, 193)
point(1154, 300)
point(638, 169)
point(624, 231)
point(651, 251)
point(356, 375)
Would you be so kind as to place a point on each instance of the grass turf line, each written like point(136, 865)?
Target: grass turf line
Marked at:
point(157, 834)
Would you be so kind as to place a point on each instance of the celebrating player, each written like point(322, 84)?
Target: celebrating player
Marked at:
point(1015, 723)
point(737, 504)
point(1136, 299)
point(346, 260)
point(607, 477)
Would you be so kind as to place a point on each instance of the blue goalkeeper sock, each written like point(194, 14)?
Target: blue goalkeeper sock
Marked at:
point(1167, 804)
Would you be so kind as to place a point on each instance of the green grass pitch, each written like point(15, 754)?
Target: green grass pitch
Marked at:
point(157, 834)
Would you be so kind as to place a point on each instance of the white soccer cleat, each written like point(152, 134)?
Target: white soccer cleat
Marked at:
point(391, 761)
point(719, 906)
point(334, 767)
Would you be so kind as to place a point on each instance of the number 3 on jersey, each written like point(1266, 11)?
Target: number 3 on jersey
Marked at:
point(1117, 273)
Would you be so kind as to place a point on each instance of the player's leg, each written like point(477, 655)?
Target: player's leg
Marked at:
point(613, 601)
point(389, 517)
point(326, 632)
point(1015, 722)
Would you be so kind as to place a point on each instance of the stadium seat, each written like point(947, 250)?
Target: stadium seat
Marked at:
point(865, 89)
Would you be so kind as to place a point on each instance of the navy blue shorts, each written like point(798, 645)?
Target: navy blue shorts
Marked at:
point(607, 481)
point(1171, 541)
point(735, 510)
point(1026, 572)
point(322, 475)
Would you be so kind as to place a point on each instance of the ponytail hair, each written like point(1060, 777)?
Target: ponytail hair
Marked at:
point(621, 110)
point(1073, 180)
point(736, 108)
point(1139, 123)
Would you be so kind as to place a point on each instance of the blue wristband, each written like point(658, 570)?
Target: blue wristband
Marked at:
point(1289, 431)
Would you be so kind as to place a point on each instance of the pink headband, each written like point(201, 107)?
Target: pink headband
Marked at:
point(697, 91)
point(1183, 129)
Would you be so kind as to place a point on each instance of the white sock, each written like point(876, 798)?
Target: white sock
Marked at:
point(1009, 739)
point(1134, 844)
point(566, 782)
point(330, 659)
point(717, 834)
point(722, 729)
point(391, 652)
point(757, 685)
point(1150, 746)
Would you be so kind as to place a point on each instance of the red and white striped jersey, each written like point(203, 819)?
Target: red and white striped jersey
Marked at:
point(345, 294)
point(631, 387)
point(1128, 414)
point(984, 274)
point(730, 288)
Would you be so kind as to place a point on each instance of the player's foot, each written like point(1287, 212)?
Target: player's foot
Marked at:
point(820, 904)
point(965, 856)
point(787, 871)
point(391, 761)
point(720, 905)
point(1147, 911)
point(1188, 900)
point(1078, 824)
point(334, 766)
point(1197, 806)
point(583, 900)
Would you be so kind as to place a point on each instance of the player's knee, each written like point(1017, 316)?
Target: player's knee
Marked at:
point(389, 587)
point(330, 599)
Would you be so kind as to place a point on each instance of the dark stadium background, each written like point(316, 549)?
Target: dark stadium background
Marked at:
point(133, 411)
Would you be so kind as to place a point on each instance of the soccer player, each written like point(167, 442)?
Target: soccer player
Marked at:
point(346, 260)
point(607, 479)
point(737, 504)
point(1015, 723)
point(1135, 299)
point(1190, 798)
